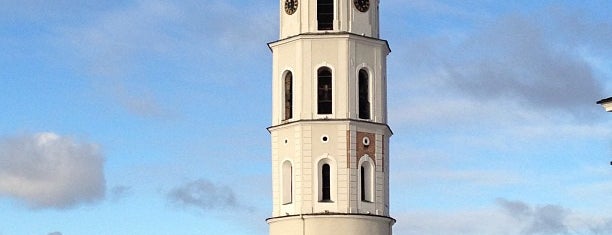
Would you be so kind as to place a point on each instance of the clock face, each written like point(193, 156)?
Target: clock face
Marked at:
point(362, 5)
point(291, 6)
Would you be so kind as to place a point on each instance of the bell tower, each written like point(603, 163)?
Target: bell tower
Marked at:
point(330, 138)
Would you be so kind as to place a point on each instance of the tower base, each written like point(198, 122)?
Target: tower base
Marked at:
point(331, 224)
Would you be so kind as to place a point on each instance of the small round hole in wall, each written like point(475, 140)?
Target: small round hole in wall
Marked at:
point(286, 141)
point(324, 138)
point(366, 141)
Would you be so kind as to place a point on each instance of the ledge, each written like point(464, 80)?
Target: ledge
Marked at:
point(330, 33)
point(332, 214)
point(330, 120)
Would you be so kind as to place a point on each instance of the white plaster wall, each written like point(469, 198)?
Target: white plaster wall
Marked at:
point(303, 49)
point(345, 55)
point(305, 149)
point(346, 19)
point(331, 225)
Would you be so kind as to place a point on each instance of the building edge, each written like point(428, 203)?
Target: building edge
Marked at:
point(331, 223)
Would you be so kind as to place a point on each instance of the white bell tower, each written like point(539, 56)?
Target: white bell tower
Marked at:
point(330, 138)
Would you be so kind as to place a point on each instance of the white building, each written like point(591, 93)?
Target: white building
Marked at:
point(330, 138)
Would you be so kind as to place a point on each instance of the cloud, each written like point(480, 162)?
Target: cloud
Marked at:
point(204, 195)
point(516, 209)
point(602, 228)
point(132, 50)
point(119, 192)
point(46, 170)
point(449, 222)
point(517, 65)
point(506, 217)
point(139, 101)
point(55, 233)
point(515, 59)
point(547, 219)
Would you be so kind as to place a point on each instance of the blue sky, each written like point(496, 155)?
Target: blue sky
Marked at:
point(148, 117)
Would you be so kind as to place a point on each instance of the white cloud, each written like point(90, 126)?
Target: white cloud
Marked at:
point(46, 170)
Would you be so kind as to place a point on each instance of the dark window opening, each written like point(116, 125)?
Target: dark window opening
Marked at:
point(325, 184)
point(363, 184)
point(325, 14)
point(364, 95)
point(288, 96)
point(324, 97)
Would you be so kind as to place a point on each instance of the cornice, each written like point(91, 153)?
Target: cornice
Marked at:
point(332, 214)
point(329, 120)
point(328, 33)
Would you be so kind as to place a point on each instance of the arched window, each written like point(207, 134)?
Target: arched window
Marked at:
point(288, 96)
point(287, 188)
point(364, 95)
point(325, 183)
point(366, 182)
point(324, 94)
point(325, 14)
